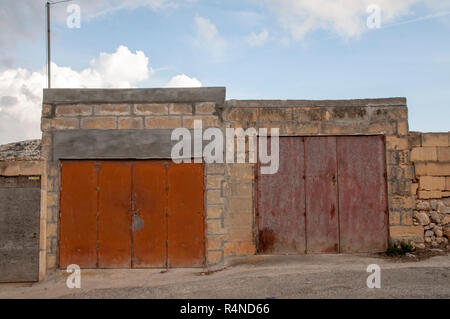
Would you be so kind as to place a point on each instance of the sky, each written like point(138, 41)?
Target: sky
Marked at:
point(257, 49)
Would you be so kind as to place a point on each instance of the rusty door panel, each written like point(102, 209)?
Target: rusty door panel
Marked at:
point(186, 241)
point(281, 202)
point(78, 215)
point(114, 219)
point(362, 194)
point(322, 231)
point(149, 215)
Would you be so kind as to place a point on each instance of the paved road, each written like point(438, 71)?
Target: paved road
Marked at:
point(310, 276)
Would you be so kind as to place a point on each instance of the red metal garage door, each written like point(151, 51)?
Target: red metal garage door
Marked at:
point(281, 202)
point(116, 214)
point(321, 195)
point(363, 214)
point(329, 195)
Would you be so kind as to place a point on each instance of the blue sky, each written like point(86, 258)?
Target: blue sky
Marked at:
point(299, 50)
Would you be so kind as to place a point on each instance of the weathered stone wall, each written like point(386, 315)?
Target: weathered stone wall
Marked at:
point(24, 159)
point(388, 117)
point(430, 154)
point(230, 188)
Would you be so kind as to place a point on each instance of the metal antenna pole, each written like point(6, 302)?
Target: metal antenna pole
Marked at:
point(49, 76)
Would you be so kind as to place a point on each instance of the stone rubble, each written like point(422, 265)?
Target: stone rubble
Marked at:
point(434, 216)
point(21, 151)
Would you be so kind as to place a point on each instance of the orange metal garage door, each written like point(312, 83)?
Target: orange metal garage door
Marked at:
point(143, 214)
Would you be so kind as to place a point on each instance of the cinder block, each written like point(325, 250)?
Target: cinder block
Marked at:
point(99, 123)
point(52, 199)
point(46, 110)
point(163, 122)
point(310, 114)
point(397, 143)
point(214, 181)
point(214, 227)
point(214, 257)
point(243, 115)
point(112, 109)
point(65, 124)
point(215, 211)
point(52, 230)
point(349, 112)
point(218, 169)
point(241, 218)
point(402, 202)
point(205, 108)
point(414, 233)
point(415, 139)
point(207, 121)
point(178, 109)
point(214, 242)
point(240, 204)
point(394, 218)
point(46, 124)
point(46, 139)
point(239, 249)
point(338, 128)
point(388, 128)
point(131, 123)
point(432, 169)
point(299, 128)
point(432, 183)
point(73, 110)
point(274, 114)
point(443, 154)
point(420, 169)
point(241, 189)
point(237, 233)
point(423, 154)
point(438, 169)
point(435, 139)
point(399, 187)
point(402, 128)
point(241, 171)
point(51, 261)
point(214, 197)
point(151, 109)
point(430, 194)
point(406, 218)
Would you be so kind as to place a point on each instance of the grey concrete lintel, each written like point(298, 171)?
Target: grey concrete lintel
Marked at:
point(157, 95)
point(383, 102)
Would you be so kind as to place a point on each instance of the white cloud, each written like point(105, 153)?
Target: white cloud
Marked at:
point(208, 37)
point(183, 81)
point(21, 90)
point(346, 18)
point(258, 39)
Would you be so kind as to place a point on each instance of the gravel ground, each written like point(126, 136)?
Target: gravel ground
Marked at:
point(308, 276)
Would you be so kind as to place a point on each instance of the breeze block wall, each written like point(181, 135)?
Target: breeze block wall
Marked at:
point(118, 124)
point(430, 154)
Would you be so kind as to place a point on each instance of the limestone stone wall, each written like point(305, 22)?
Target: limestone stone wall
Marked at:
point(230, 188)
point(430, 154)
